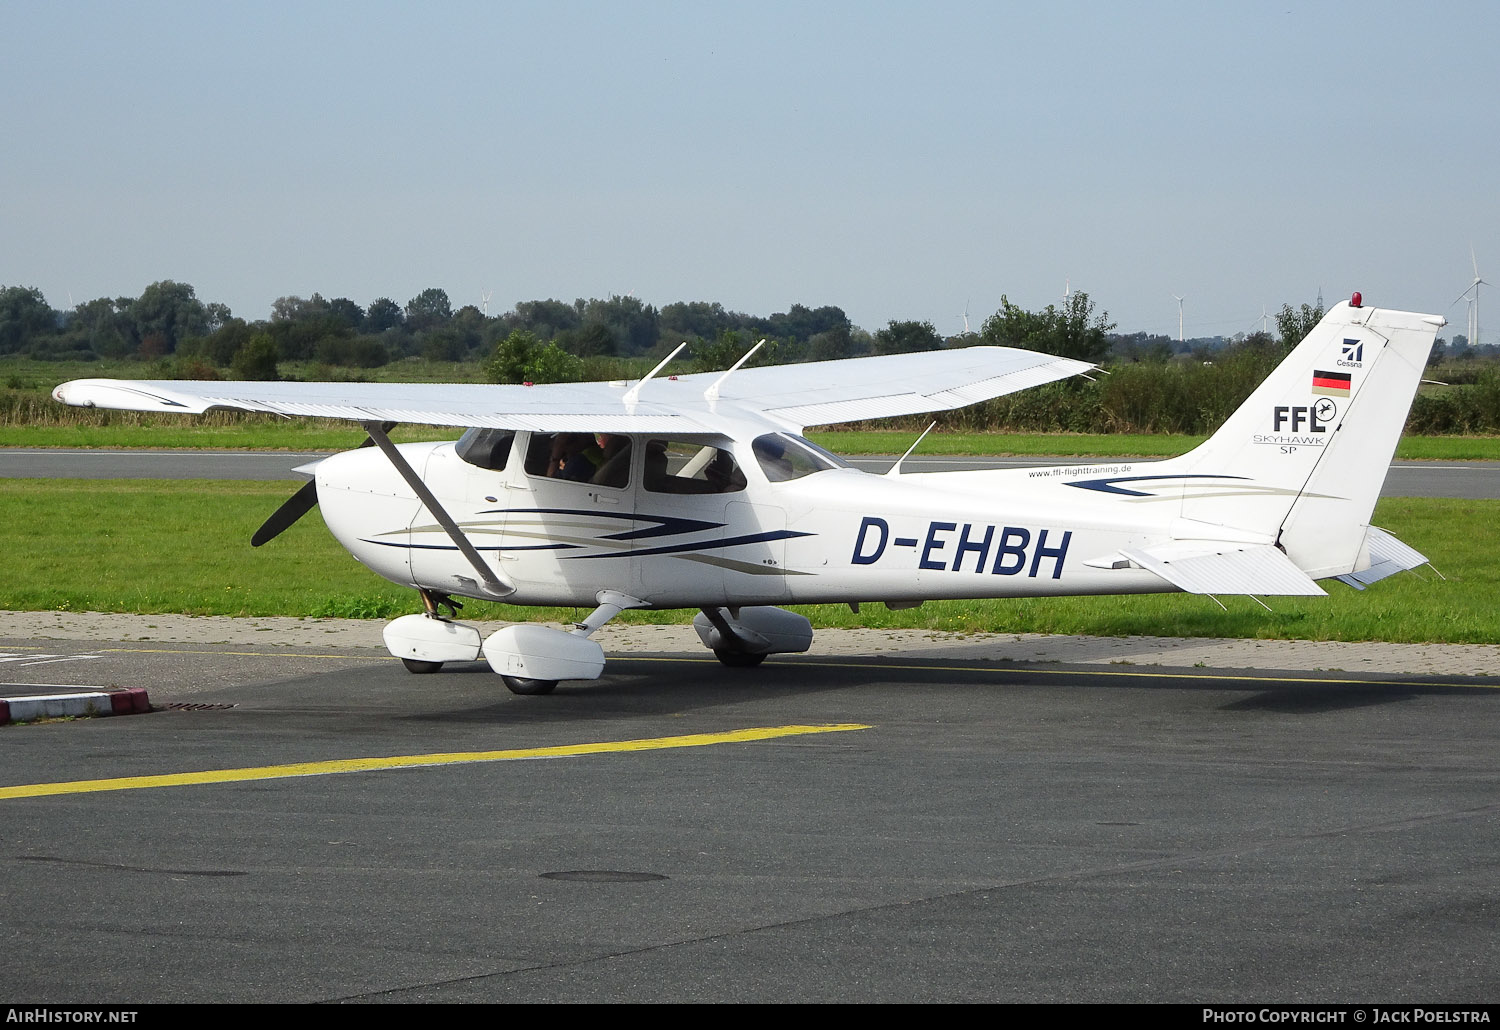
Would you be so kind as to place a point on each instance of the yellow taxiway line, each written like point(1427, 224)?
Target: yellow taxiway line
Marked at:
point(348, 765)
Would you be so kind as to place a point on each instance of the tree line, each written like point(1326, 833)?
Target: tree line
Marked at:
point(544, 340)
point(169, 320)
point(1159, 385)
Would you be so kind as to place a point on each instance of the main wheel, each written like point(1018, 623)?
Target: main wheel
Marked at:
point(739, 659)
point(418, 666)
point(521, 685)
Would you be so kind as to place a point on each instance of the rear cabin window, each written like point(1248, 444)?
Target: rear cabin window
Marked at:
point(487, 448)
point(685, 467)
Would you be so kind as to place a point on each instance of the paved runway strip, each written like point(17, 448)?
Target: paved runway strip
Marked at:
point(1006, 832)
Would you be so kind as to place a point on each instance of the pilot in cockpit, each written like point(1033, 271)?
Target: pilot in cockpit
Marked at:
point(574, 457)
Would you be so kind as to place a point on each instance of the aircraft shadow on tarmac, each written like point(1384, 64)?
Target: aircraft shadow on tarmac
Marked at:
point(651, 685)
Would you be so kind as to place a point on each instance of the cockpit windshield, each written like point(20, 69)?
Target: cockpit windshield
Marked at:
point(487, 448)
point(784, 457)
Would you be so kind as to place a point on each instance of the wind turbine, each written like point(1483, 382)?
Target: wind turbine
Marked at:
point(1179, 316)
point(966, 318)
point(485, 300)
point(1474, 300)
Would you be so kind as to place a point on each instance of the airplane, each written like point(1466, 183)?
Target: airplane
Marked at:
point(700, 491)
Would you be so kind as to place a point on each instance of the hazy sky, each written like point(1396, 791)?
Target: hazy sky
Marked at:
point(898, 160)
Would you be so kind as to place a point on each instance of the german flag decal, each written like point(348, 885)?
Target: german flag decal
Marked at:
point(1333, 384)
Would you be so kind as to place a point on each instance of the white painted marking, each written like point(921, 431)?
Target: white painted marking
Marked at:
point(56, 686)
point(25, 660)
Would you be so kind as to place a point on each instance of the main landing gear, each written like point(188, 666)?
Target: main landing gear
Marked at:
point(532, 659)
point(738, 659)
point(742, 637)
point(521, 685)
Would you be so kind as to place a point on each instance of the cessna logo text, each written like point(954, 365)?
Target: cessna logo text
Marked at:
point(947, 546)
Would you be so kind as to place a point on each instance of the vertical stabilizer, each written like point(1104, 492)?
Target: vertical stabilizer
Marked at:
point(1303, 459)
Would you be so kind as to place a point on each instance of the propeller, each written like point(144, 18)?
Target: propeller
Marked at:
point(298, 505)
point(292, 509)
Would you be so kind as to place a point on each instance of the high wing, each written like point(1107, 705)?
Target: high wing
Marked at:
point(788, 396)
point(820, 393)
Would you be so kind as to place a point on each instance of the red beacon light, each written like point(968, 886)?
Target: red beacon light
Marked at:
point(1356, 300)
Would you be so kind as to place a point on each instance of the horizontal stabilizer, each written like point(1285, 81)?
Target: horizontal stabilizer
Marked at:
point(1388, 556)
point(1230, 569)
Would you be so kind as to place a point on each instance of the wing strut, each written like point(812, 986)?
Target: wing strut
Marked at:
point(895, 470)
point(496, 584)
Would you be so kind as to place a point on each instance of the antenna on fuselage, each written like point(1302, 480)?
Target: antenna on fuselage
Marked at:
point(634, 393)
point(712, 393)
point(896, 468)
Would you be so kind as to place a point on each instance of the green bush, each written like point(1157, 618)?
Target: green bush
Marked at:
point(1459, 410)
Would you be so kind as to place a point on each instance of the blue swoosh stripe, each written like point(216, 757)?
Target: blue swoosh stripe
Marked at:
point(1107, 486)
point(665, 524)
point(705, 545)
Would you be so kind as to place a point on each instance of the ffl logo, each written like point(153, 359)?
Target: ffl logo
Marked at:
point(1313, 418)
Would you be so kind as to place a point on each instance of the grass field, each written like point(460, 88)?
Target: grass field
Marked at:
point(156, 546)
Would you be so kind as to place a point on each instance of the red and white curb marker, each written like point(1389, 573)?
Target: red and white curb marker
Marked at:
point(82, 704)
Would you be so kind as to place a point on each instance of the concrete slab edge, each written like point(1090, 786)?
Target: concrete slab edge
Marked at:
point(81, 704)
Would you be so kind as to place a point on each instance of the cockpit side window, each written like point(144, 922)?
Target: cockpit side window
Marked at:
point(687, 467)
point(486, 448)
point(599, 460)
point(614, 468)
point(784, 457)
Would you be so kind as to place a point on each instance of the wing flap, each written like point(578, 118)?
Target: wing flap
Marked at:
point(1226, 569)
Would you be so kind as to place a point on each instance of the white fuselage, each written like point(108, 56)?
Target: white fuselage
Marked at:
point(832, 535)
